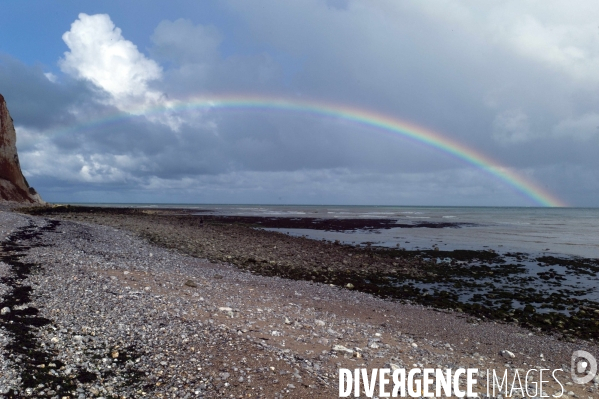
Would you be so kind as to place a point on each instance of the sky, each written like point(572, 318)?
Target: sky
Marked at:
point(119, 101)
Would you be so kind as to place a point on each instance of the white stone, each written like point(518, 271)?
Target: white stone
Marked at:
point(343, 349)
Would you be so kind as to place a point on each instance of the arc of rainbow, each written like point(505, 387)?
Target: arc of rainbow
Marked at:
point(360, 116)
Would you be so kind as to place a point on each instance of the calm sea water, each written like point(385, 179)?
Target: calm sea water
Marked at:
point(563, 231)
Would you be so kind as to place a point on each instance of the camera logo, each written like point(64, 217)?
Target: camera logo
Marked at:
point(584, 367)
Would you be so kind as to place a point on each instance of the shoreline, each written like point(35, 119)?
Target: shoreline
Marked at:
point(482, 283)
point(133, 319)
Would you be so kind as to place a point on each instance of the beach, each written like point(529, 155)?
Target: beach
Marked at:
point(161, 303)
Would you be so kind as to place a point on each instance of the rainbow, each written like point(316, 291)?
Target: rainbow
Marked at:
point(360, 116)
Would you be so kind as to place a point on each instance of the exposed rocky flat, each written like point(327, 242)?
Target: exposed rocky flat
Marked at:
point(94, 310)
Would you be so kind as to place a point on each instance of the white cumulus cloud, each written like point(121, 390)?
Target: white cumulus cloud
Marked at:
point(99, 53)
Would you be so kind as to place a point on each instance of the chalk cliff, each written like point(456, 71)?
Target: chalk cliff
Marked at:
point(13, 185)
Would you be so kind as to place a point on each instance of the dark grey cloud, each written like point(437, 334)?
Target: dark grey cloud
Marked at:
point(37, 102)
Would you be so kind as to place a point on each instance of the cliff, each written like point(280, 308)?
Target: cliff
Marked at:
point(13, 185)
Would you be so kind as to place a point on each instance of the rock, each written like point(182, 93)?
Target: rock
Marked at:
point(349, 286)
point(394, 366)
point(319, 323)
point(332, 332)
point(342, 349)
point(13, 185)
point(191, 283)
point(507, 354)
point(227, 310)
point(5, 310)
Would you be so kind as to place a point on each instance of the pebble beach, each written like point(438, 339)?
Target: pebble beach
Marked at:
point(117, 306)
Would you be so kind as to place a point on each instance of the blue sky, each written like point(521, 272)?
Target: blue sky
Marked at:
point(34, 37)
point(515, 80)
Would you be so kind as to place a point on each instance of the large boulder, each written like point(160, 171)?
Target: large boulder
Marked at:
point(13, 185)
